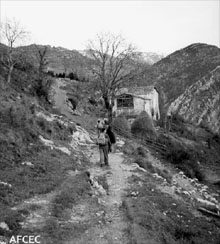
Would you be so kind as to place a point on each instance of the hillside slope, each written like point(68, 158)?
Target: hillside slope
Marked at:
point(175, 73)
point(185, 67)
point(59, 59)
point(199, 104)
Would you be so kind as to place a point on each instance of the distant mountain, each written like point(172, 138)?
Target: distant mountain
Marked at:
point(146, 57)
point(150, 57)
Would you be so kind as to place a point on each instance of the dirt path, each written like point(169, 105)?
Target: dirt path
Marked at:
point(112, 228)
point(59, 97)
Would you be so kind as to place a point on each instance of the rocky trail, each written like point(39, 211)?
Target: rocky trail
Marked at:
point(112, 225)
point(59, 97)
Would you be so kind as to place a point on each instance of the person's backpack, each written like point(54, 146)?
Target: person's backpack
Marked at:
point(101, 140)
point(111, 135)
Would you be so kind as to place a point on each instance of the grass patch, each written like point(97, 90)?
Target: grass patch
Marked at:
point(53, 232)
point(12, 218)
point(72, 191)
point(48, 171)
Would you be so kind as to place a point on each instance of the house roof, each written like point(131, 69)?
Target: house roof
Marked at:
point(139, 90)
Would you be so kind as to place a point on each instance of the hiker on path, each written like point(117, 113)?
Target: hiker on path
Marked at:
point(103, 141)
point(111, 135)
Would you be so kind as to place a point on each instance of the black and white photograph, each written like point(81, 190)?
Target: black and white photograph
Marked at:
point(109, 122)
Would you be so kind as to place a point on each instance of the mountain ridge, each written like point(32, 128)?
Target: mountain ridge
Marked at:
point(173, 74)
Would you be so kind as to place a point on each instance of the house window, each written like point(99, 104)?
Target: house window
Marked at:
point(125, 101)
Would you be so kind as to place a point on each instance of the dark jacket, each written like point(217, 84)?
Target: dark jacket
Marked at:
point(111, 135)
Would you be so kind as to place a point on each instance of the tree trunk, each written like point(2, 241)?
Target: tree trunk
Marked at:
point(109, 107)
point(110, 115)
point(106, 101)
point(9, 74)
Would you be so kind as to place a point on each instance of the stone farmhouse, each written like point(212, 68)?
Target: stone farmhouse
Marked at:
point(132, 101)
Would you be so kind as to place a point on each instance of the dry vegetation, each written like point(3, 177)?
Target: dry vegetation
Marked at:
point(28, 168)
point(143, 127)
point(121, 125)
point(156, 216)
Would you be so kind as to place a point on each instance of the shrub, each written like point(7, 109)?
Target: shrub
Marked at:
point(73, 76)
point(20, 116)
point(177, 119)
point(177, 155)
point(51, 73)
point(121, 125)
point(184, 233)
point(140, 151)
point(143, 127)
point(72, 192)
point(130, 147)
point(42, 87)
point(185, 160)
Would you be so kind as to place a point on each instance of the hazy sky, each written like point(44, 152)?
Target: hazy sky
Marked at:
point(158, 26)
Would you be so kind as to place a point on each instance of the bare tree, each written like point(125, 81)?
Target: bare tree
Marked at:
point(41, 54)
point(112, 65)
point(11, 33)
